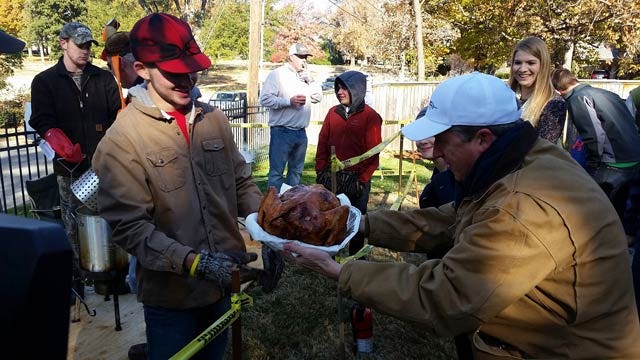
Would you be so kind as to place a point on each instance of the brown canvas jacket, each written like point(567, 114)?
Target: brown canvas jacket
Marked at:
point(164, 199)
point(539, 262)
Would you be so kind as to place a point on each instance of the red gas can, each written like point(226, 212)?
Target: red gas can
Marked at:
point(362, 326)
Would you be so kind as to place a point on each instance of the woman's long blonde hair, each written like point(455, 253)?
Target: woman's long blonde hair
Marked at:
point(543, 91)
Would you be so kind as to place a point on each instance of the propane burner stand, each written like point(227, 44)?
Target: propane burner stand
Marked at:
point(109, 283)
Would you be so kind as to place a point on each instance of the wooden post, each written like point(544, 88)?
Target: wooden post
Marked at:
point(334, 186)
point(236, 328)
point(400, 165)
point(255, 24)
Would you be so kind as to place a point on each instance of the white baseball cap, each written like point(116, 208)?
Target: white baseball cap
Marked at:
point(299, 49)
point(474, 99)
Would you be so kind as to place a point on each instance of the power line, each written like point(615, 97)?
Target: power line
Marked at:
point(372, 5)
point(341, 8)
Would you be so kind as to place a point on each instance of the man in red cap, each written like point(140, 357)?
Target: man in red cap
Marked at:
point(73, 103)
point(172, 185)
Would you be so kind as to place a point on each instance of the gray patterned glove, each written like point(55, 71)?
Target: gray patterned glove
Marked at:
point(216, 267)
point(273, 266)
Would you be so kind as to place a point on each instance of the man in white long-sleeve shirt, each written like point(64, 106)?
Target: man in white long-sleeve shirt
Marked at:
point(288, 92)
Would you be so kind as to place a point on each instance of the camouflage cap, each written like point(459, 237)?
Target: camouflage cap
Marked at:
point(77, 32)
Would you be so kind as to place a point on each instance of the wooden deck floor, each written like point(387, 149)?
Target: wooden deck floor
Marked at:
point(95, 338)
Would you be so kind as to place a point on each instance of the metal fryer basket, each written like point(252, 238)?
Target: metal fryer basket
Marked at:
point(86, 189)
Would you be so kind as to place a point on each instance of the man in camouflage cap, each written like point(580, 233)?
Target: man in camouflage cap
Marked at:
point(73, 103)
point(78, 33)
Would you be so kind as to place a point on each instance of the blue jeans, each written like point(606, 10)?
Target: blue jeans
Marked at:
point(169, 330)
point(286, 148)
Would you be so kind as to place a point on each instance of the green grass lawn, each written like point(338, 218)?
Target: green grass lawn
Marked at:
point(299, 320)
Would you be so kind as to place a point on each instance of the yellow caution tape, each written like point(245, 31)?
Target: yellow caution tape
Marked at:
point(396, 122)
point(339, 165)
point(248, 125)
point(313, 122)
point(381, 172)
point(361, 253)
point(384, 172)
point(192, 348)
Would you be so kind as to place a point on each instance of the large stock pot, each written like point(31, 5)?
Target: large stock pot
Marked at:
point(97, 251)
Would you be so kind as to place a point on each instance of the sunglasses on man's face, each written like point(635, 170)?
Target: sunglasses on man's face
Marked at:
point(171, 51)
point(303, 57)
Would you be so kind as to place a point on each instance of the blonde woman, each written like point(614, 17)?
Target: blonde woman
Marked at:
point(530, 78)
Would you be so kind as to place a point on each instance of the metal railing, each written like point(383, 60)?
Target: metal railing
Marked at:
point(21, 158)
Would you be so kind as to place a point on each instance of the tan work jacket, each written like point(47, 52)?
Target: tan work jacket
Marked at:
point(164, 198)
point(539, 262)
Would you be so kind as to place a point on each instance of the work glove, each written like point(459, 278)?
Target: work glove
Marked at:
point(323, 177)
point(273, 266)
point(61, 144)
point(216, 267)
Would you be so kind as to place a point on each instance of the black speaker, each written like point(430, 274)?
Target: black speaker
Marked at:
point(35, 286)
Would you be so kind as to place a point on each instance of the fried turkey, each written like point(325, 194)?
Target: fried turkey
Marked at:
point(311, 214)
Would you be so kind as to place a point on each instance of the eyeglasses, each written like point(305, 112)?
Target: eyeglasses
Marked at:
point(171, 51)
point(303, 57)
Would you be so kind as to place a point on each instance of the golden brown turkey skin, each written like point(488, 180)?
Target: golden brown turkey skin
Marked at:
point(311, 214)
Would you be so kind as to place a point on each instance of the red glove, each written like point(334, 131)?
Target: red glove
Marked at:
point(61, 144)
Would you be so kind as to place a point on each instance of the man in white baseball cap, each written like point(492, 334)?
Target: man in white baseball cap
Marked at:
point(534, 241)
point(288, 92)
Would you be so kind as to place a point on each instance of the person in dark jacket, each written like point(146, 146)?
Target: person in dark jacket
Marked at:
point(73, 103)
point(608, 132)
point(441, 188)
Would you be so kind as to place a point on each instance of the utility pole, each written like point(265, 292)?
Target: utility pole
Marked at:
point(255, 25)
point(417, 9)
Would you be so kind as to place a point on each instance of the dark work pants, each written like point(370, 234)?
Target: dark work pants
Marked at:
point(357, 242)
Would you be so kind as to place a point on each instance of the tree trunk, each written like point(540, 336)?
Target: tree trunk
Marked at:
point(419, 39)
point(402, 65)
point(568, 57)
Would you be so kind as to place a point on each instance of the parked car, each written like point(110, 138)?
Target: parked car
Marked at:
point(329, 83)
point(233, 103)
point(600, 74)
